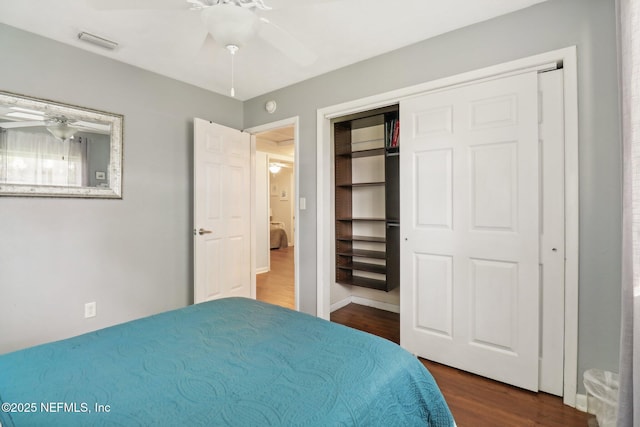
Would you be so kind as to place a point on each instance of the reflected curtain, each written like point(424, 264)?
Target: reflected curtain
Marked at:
point(629, 45)
point(3, 155)
point(34, 158)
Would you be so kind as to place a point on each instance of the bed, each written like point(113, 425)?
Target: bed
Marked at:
point(232, 361)
point(278, 237)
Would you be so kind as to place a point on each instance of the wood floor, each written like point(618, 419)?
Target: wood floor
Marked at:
point(473, 400)
point(277, 286)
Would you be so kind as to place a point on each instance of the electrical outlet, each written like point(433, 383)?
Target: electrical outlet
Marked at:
point(90, 310)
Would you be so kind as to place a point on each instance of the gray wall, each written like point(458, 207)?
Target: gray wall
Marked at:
point(132, 256)
point(588, 24)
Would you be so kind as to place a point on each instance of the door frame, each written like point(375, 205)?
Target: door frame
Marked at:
point(545, 61)
point(291, 121)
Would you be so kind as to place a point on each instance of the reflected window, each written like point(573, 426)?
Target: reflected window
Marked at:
point(38, 158)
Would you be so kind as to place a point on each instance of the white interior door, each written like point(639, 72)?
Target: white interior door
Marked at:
point(469, 291)
point(222, 212)
point(552, 233)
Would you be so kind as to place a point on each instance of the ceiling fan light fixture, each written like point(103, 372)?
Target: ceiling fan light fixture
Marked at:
point(274, 168)
point(230, 24)
point(61, 130)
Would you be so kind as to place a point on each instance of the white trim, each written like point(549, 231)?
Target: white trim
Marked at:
point(572, 226)
point(393, 308)
point(253, 206)
point(566, 56)
point(340, 304)
point(295, 122)
point(581, 402)
point(262, 270)
point(324, 215)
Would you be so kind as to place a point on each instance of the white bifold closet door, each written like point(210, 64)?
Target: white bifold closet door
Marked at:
point(470, 229)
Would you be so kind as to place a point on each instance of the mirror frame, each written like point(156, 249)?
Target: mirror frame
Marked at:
point(113, 191)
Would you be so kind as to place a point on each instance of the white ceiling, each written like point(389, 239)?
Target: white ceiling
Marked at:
point(170, 42)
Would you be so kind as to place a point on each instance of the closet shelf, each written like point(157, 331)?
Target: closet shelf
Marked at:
point(362, 239)
point(362, 153)
point(361, 219)
point(362, 184)
point(365, 282)
point(363, 253)
point(363, 266)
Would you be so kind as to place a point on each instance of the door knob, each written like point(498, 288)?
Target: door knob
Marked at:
point(203, 231)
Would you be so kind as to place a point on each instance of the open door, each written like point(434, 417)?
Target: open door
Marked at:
point(222, 212)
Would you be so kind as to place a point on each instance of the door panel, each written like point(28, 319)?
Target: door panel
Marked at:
point(435, 192)
point(494, 186)
point(222, 212)
point(494, 304)
point(434, 275)
point(469, 215)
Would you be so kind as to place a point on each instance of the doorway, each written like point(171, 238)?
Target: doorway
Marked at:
point(275, 215)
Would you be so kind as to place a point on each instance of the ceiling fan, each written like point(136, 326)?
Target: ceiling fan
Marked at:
point(229, 23)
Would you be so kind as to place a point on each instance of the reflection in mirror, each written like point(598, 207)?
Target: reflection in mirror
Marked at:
point(52, 149)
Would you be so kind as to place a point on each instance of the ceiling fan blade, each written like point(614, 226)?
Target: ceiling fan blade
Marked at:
point(91, 127)
point(24, 124)
point(138, 4)
point(207, 52)
point(208, 46)
point(286, 43)
point(279, 4)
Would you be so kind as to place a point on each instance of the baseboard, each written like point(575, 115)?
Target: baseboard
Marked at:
point(262, 270)
point(581, 402)
point(342, 303)
point(376, 304)
point(367, 302)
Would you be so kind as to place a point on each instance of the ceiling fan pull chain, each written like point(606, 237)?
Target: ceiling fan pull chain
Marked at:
point(233, 90)
point(232, 49)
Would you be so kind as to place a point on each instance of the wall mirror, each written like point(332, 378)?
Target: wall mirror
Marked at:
point(52, 149)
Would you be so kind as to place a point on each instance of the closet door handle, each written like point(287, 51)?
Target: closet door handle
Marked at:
point(203, 231)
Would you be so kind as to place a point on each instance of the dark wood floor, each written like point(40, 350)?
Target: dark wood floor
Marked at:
point(473, 400)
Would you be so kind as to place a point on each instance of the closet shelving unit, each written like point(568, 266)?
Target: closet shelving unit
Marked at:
point(367, 210)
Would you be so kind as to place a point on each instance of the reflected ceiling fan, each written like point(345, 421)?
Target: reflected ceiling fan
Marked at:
point(61, 127)
point(229, 23)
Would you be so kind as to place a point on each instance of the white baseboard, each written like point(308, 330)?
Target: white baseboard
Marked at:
point(342, 303)
point(367, 302)
point(262, 270)
point(376, 304)
point(581, 402)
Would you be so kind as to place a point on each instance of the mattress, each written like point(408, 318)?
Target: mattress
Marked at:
point(232, 361)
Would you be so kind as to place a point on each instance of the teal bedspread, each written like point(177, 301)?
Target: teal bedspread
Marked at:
point(233, 361)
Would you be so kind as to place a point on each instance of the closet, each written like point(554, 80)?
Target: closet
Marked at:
point(367, 202)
